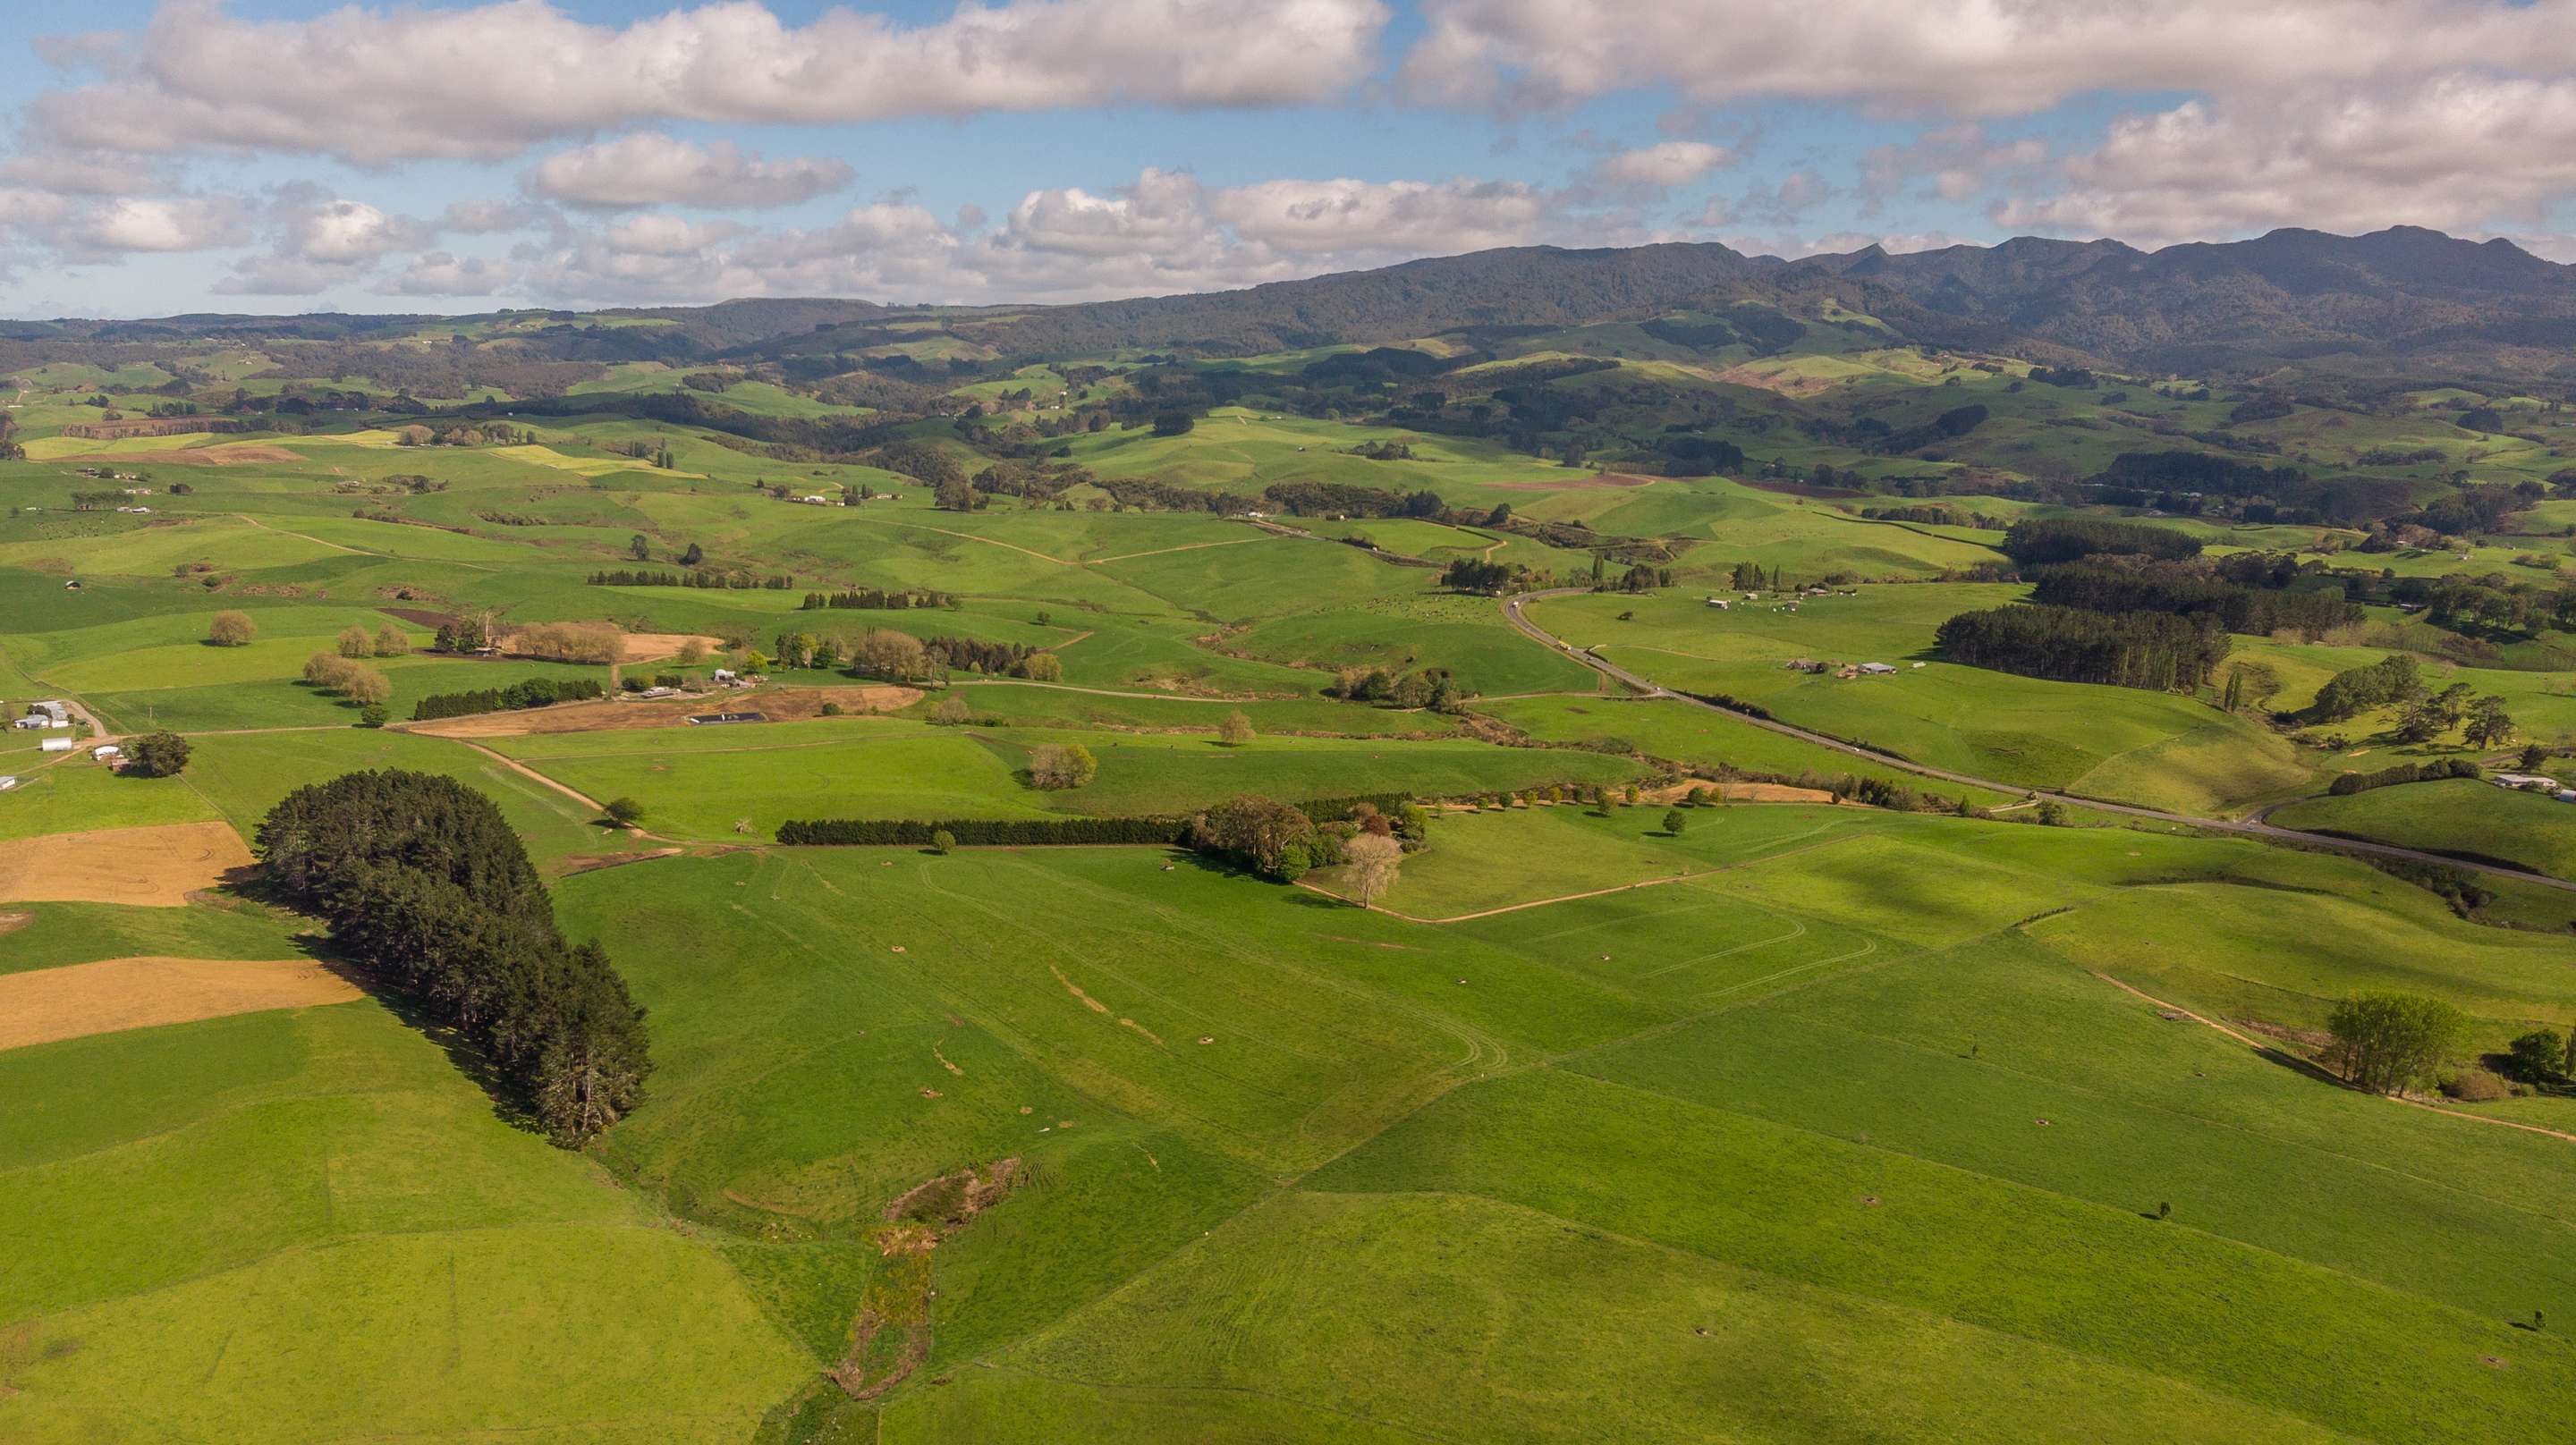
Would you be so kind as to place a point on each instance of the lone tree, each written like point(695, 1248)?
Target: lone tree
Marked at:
point(2536, 1055)
point(1057, 766)
point(390, 641)
point(625, 812)
point(2489, 724)
point(156, 755)
point(1675, 820)
point(1375, 857)
point(1236, 730)
point(943, 841)
point(952, 710)
point(2384, 1042)
point(231, 629)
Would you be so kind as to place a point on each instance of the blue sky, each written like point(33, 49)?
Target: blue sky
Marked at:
point(173, 155)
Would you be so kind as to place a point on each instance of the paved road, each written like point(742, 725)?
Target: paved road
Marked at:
point(2251, 828)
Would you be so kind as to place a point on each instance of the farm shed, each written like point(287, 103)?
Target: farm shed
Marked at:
point(1876, 669)
point(57, 745)
point(712, 718)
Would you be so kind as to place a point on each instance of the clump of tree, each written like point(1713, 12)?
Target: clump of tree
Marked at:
point(2038, 541)
point(1432, 688)
point(2356, 690)
point(1261, 835)
point(1474, 574)
point(582, 642)
point(2387, 1042)
point(231, 629)
point(871, 599)
point(423, 881)
point(156, 755)
point(518, 696)
point(2150, 650)
point(2542, 1056)
point(2351, 783)
point(2103, 585)
point(712, 579)
point(1056, 767)
point(354, 681)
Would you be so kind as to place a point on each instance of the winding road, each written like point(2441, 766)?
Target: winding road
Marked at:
point(2250, 828)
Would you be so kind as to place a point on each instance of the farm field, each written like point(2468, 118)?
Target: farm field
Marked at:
point(2462, 818)
point(1839, 1104)
point(2123, 744)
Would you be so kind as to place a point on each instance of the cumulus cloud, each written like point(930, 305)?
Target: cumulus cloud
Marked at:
point(486, 216)
point(1664, 165)
point(2454, 153)
point(1164, 232)
point(1960, 57)
point(488, 80)
point(162, 224)
point(439, 273)
point(652, 169)
point(335, 231)
point(91, 173)
point(1341, 216)
point(279, 276)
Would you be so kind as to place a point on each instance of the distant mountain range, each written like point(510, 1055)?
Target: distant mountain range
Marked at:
point(2398, 300)
point(2403, 296)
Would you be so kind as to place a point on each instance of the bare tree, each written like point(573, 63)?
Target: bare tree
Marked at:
point(1236, 730)
point(1374, 861)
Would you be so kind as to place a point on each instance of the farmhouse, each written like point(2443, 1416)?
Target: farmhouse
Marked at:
point(2526, 780)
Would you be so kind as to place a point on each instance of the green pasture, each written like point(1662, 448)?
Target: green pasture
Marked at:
point(702, 782)
point(304, 1225)
point(1678, 732)
point(2119, 743)
point(2462, 818)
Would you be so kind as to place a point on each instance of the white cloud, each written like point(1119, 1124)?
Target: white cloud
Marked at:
point(1162, 212)
point(94, 173)
point(334, 230)
point(438, 273)
point(2456, 153)
point(489, 80)
point(279, 276)
point(1960, 57)
point(160, 224)
point(651, 169)
point(669, 235)
point(486, 217)
point(1665, 165)
point(1344, 216)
